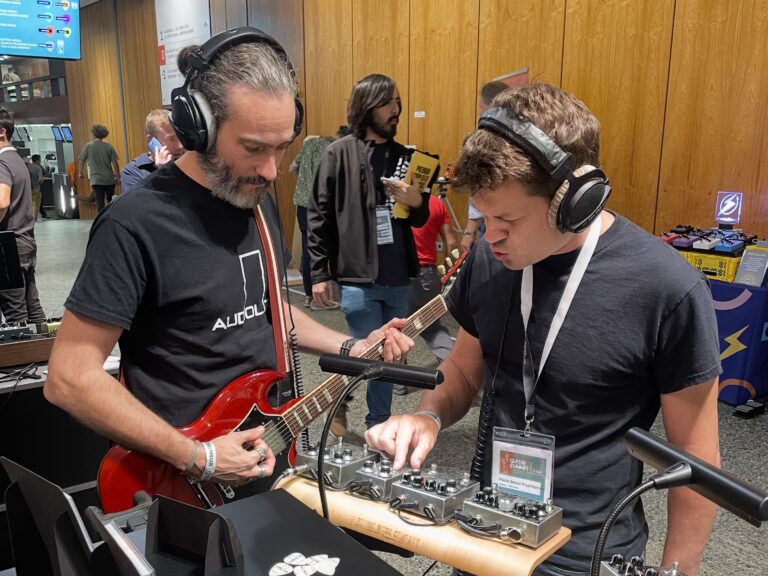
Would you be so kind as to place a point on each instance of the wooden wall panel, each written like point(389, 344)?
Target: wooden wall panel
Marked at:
point(328, 60)
point(616, 59)
point(717, 114)
point(92, 81)
point(226, 14)
point(443, 79)
point(284, 21)
point(380, 43)
point(137, 27)
point(521, 34)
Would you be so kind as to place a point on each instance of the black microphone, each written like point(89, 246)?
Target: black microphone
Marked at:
point(426, 378)
point(719, 486)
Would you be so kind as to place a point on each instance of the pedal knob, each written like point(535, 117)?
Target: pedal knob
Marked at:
point(385, 471)
point(347, 454)
point(636, 561)
point(431, 485)
point(651, 572)
point(406, 478)
point(417, 480)
point(450, 486)
point(617, 560)
point(442, 489)
point(368, 465)
point(338, 456)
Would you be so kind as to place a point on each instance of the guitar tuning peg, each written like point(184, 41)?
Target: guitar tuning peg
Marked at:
point(448, 262)
point(455, 253)
point(441, 269)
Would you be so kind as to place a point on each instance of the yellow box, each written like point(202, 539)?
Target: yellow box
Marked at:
point(717, 266)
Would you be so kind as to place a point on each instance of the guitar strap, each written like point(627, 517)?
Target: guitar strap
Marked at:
point(275, 297)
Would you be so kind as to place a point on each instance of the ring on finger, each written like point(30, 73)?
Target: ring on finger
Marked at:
point(261, 452)
point(262, 472)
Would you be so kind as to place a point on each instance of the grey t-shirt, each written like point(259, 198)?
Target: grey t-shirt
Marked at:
point(19, 218)
point(642, 324)
point(35, 174)
point(100, 155)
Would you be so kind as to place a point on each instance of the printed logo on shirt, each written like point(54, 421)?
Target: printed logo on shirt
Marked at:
point(254, 293)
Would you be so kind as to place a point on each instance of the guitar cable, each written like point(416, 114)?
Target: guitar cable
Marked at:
point(293, 342)
point(29, 371)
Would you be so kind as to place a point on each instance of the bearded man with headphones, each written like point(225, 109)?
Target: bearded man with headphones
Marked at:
point(577, 325)
point(185, 274)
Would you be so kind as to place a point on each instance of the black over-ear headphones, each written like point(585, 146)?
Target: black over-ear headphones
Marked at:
point(191, 114)
point(582, 192)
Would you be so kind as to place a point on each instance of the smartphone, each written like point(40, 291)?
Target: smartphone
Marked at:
point(153, 145)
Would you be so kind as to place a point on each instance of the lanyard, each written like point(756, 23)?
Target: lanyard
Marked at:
point(530, 376)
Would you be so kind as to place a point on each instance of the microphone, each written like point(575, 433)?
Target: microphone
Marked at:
point(426, 378)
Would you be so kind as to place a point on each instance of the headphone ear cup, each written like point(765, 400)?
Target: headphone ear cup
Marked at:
point(299, 121)
point(206, 121)
point(579, 200)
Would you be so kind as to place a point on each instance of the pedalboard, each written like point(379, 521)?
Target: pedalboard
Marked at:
point(380, 476)
point(514, 519)
point(435, 494)
point(635, 566)
point(340, 461)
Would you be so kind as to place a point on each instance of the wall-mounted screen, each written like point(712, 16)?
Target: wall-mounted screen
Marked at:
point(40, 28)
point(67, 133)
point(57, 134)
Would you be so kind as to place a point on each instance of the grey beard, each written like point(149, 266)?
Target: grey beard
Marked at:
point(225, 186)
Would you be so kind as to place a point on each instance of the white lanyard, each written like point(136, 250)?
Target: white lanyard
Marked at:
point(526, 303)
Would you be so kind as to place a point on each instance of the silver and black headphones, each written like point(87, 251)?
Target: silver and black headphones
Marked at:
point(582, 192)
point(191, 115)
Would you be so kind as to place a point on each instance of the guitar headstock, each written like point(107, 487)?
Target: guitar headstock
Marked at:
point(453, 264)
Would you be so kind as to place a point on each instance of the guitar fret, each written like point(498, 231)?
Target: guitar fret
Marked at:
point(319, 407)
point(309, 414)
point(328, 397)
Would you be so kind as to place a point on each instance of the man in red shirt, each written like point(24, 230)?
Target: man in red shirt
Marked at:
point(427, 285)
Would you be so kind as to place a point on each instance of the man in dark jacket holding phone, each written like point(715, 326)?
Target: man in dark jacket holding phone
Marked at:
point(162, 146)
point(360, 219)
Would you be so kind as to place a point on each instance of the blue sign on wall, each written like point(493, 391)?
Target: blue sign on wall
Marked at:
point(40, 28)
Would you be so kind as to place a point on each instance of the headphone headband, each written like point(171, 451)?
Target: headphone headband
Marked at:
point(517, 130)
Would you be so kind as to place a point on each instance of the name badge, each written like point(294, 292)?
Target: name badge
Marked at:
point(384, 234)
point(523, 465)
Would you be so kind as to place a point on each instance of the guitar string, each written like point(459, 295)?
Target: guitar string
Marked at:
point(335, 384)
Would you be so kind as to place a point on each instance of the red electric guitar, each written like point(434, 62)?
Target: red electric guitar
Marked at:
point(242, 404)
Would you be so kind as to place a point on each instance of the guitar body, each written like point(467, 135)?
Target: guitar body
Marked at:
point(243, 404)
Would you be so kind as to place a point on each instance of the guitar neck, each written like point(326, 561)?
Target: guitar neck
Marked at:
point(316, 402)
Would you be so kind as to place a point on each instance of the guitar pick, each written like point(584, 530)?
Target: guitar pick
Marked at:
point(281, 569)
point(328, 566)
point(296, 559)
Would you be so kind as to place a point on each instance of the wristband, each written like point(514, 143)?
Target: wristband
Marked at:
point(210, 461)
point(347, 345)
point(432, 415)
point(192, 460)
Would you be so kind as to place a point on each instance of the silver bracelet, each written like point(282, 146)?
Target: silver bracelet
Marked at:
point(432, 415)
point(210, 461)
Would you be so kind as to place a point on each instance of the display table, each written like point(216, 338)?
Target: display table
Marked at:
point(742, 324)
point(448, 544)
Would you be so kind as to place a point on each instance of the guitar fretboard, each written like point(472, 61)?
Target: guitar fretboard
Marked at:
point(316, 402)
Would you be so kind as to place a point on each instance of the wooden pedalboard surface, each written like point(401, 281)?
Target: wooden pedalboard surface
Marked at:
point(26, 351)
point(448, 544)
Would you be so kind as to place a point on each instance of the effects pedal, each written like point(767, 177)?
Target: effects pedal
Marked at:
point(15, 331)
point(706, 243)
point(434, 495)
point(635, 566)
point(669, 237)
point(340, 461)
point(730, 246)
point(380, 477)
point(513, 519)
point(684, 241)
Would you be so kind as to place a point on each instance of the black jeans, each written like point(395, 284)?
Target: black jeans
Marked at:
point(23, 304)
point(103, 192)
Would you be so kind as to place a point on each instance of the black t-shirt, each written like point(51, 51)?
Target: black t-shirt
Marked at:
point(183, 273)
point(641, 324)
point(19, 218)
point(393, 265)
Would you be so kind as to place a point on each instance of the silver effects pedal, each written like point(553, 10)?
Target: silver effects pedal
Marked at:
point(340, 461)
point(512, 519)
point(435, 494)
point(635, 566)
point(379, 477)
